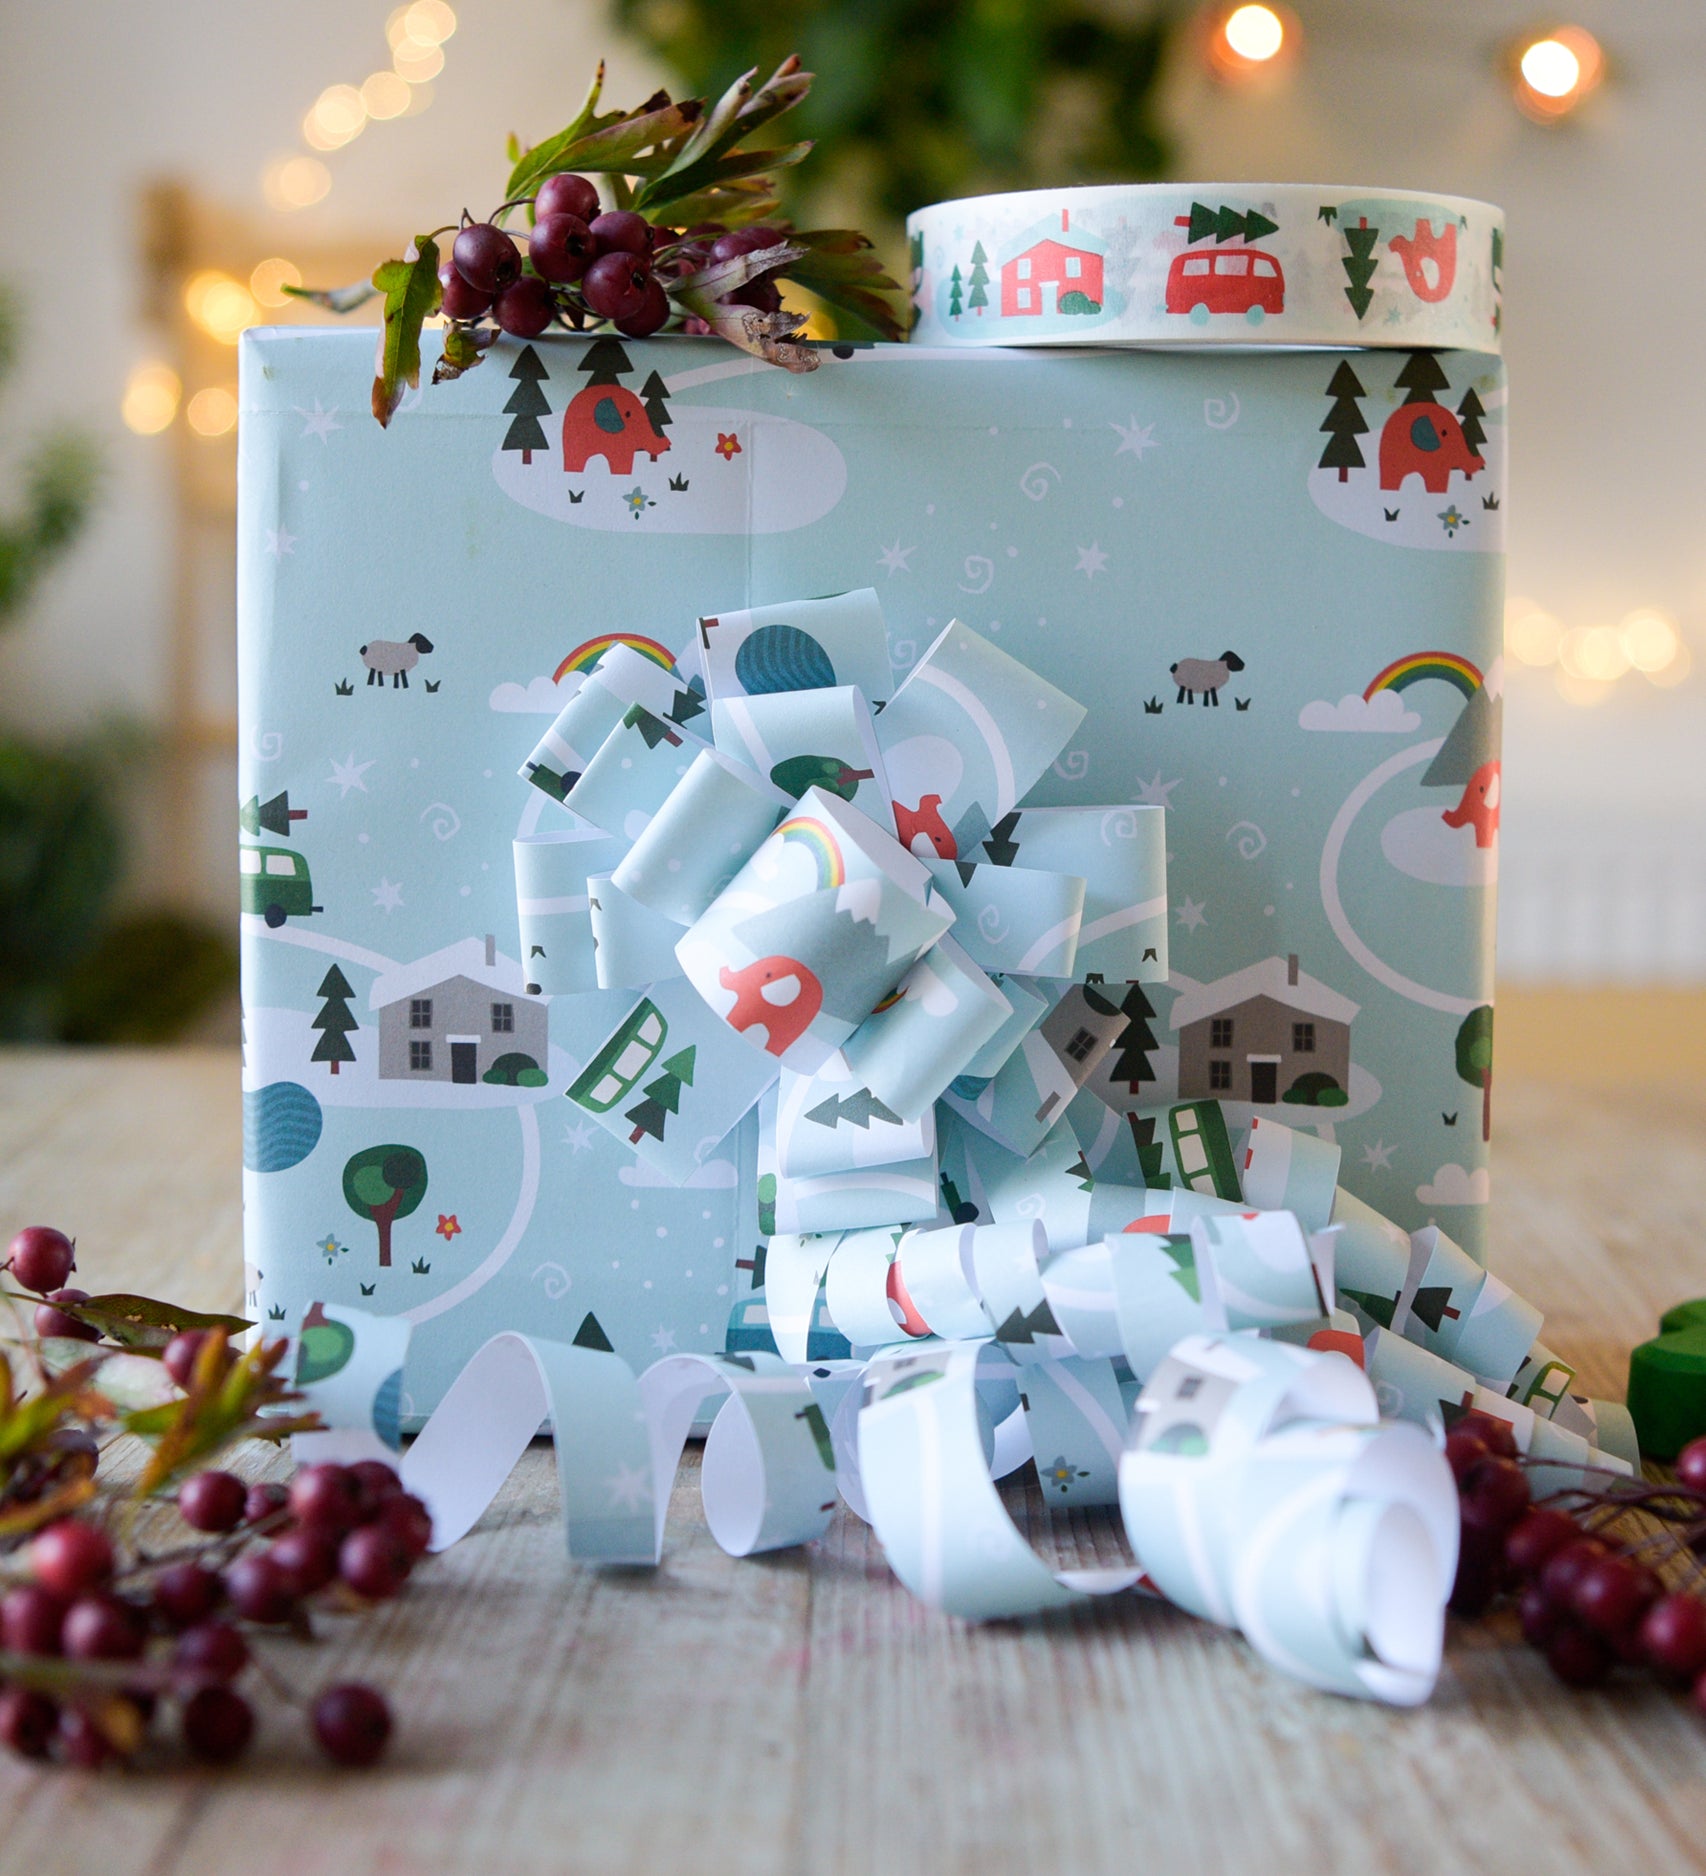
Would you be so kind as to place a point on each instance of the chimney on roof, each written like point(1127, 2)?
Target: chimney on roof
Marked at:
point(492, 956)
point(1065, 213)
point(1290, 967)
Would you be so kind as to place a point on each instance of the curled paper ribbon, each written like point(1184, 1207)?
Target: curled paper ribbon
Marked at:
point(1209, 264)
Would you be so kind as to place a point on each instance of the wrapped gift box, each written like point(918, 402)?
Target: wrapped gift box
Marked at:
point(1281, 614)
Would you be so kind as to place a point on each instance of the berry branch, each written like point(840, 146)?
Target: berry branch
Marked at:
point(682, 234)
point(103, 1640)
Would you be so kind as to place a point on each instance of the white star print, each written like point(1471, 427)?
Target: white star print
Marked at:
point(280, 541)
point(1136, 437)
point(1191, 914)
point(895, 558)
point(1157, 793)
point(347, 775)
point(631, 1488)
point(580, 1137)
point(1378, 1155)
point(663, 1340)
point(388, 895)
point(1091, 561)
point(318, 422)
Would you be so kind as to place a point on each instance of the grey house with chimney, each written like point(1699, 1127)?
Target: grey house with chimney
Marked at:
point(457, 1014)
point(1254, 1035)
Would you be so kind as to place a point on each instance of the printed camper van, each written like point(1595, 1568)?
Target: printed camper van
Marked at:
point(614, 1071)
point(1229, 280)
point(275, 882)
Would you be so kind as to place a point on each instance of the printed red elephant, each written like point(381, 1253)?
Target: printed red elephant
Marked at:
point(1424, 439)
point(608, 420)
point(784, 1019)
point(925, 819)
point(1479, 807)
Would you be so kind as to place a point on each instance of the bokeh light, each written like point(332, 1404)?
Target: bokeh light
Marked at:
point(212, 411)
point(1555, 70)
point(296, 182)
point(385, 95)
point(1250, 41)
point(1531, 633)
point(1587, 661)
point(416, 62)
point(150, 401)
point(427, 22)
point(269, 279)
point(221, 306)
point(1255, 33)
point(337, 115)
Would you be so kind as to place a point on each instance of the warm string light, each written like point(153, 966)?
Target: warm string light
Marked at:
point(1247, 41)
point(1554, 71)
point(415, 33)
point(1587, 661)
point(151, 394)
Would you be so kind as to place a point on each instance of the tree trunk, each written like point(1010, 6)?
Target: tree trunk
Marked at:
point(382, 1217)
point(334, 1065)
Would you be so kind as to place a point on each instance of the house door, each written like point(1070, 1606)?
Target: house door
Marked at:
point(1264, 1080)
point(462, 1059)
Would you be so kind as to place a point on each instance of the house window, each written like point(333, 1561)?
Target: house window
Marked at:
point(1024, 299)
point(1219, 1076)
point(1080, 1046)
point(1303, 1038)
point(420, 1056)
point(1220, 1032)
point(1025, 268)
point(420, 1012)
point(1074, 266)
point(503, 1019)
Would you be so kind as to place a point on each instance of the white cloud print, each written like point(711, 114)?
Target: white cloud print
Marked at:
point(1456, 1185)
point(540, 698)
point(1381, 714)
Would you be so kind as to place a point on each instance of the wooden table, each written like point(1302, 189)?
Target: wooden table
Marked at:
point(803, 1713)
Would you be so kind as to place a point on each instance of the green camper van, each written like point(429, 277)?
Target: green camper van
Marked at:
point(275, 883)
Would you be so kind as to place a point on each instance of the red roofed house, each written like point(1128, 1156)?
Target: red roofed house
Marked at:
point(1043, 266)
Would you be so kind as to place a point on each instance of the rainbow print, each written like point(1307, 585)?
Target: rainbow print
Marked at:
point(812, 833)
point(1445, 665)
point(584, 657)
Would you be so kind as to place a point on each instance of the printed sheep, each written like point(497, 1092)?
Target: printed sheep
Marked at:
point(1204, 676)
point(395, 658)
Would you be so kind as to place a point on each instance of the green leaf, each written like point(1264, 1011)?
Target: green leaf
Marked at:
point(523, 171)
point(412, 293)
point(336, 299)
point(613, 145)
point(723, 277)
point(735, 206)
point(840, 268)
point(461, 353)
point(144, 1322)
point(716, 171)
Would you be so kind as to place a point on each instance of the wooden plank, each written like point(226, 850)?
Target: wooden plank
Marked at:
point(803, 1712)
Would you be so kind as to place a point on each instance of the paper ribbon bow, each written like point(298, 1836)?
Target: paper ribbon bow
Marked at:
point(836, 905)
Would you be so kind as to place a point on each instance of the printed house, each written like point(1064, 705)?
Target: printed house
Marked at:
point(460, 1014)
point(1041, 268)
point(1264, 1034)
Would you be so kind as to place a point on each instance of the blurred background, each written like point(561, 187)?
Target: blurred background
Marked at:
point(169, 169)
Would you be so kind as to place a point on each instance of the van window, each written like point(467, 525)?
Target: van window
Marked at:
point(248, 861)
point(281, 864)
point(1232, 264)
point(1197, 264)
point(1265, 268)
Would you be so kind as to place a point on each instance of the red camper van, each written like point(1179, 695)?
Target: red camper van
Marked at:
point(1226, 280)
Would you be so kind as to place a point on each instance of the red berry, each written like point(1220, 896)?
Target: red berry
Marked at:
point(214, 1651)
point(621, 231)
point(763, 295)
point(1673, 1636)
point(352, 1723)
point(258, 1590)
point(1495, 1495)
point(1464, 1451)
point(101, 1628)
point(1540, 1620)
point(1496, 1435)
point(1612, 1594)
point(373, 1562)
point(1534, 1538)
point(1561, 1571)
point(566, 194)
point(51, 1321)
point(27, 1721)
point(82, 1742)
point(377, 1481)
point(308, 1558)
point(42, 1258)
point(32, 1621)
point(739, 241)
point(212, 1501)
point(1578, 1657)
point(614, 286)
point(653, 314)
point(486, 257)
point(71, 1558)
point(217, 1725)
point(179, 1355)
point(409, 1521)
point(326, 1498)
point(460, 301)
point(525, 308)
point(561, 248)
point(186, 1593)
point(1691, 1465)
point(1479, 1564)
point(265, 1501)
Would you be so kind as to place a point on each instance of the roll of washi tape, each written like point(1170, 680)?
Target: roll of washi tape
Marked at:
point(1182, 264)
